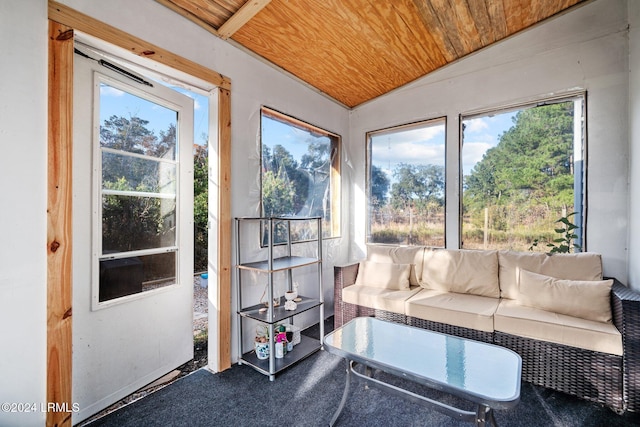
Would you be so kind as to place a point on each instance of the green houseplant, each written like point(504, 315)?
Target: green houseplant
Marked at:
point(564, 243)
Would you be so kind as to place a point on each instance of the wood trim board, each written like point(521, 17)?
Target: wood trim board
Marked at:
point(59, 227)
point(241, 17)
point(78, 21)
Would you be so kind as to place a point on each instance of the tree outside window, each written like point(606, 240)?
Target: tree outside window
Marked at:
point(406, 184)
point(522, 171)
point(300, 171)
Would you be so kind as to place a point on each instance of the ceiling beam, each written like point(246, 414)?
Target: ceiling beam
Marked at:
point(190, 16)
point(241, 17)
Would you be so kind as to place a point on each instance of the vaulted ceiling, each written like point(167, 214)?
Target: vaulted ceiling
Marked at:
point(356, 50)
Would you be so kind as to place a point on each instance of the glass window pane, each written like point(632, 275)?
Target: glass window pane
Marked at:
point(126, 173)
point(132, 223)
point(128, 276)
point(147, 128)
point(522, 172)
point(406, 184)
point(300, 171)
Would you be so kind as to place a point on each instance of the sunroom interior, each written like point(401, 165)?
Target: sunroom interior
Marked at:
point(351, 70)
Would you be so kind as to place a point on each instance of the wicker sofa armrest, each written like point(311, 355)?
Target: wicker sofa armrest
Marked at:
point(625, 304)
point(343, 276)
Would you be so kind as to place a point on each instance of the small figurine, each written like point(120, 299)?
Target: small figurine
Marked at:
point(290, 304)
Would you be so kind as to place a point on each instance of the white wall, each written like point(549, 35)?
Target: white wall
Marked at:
point(582, 50)
point(23, 168)
point(634, 144)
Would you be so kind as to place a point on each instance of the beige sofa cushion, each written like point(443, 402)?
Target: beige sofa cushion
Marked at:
point(378, 298)
point(383, 275)
point(534, 323)
point(590, 300)
point(461, 271)
point(581, 266)
point(399, 255)
point(464, 310)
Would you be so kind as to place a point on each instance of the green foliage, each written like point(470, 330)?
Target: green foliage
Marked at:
point(414, 212)
point(201, 339)
point(379, 186)
point(132, 135)
point(286, 180)
point(200, 207)
point(532, 164)
point(417, 186)
point(292, 187)
point(134, 222)
point(278, 195)
point(564, 242)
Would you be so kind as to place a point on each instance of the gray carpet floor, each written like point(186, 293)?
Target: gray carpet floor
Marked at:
point(308, 393)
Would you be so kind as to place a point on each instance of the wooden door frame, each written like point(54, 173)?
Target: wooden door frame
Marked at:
point(63, 20)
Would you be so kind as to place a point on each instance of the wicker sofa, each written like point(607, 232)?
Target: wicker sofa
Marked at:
point(576, 332)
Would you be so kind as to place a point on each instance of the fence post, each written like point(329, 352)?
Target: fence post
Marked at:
point(486, 227)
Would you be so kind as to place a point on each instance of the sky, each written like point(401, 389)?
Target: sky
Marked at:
point(480, 135)
point(425, 144)
point(116, 102)
point(293, 139)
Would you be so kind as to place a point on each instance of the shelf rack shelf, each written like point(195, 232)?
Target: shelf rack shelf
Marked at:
point(268, 231)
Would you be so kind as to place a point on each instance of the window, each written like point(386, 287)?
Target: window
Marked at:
point(406, 184)
point(300, 171)
point(522, 171)
point(138, 178)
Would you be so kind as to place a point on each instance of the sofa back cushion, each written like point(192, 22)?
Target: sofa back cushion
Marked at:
point(399, 255)
point(586, 299)
point(383, 275)
point(580, 266)
point(461, 271)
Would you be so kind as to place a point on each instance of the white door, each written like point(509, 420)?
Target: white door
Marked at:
point(132, 233)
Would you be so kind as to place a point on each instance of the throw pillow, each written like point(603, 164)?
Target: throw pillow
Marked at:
point(383, 275)
point(580, 266)
point(399, 255)
point(586, 299)
point(462, 271)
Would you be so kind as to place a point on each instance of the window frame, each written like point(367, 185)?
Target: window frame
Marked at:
point(368, 163)
point(98, 194)
point(540, 102)
point(335, 182)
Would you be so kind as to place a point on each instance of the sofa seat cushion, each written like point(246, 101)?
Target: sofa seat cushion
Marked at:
point(580, 266)
point(461, 271)
point(534, 323)
point(378, 298)
point(464, 310)
point(399, 255)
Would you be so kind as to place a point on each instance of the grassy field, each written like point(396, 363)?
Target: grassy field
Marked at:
point(515, 232)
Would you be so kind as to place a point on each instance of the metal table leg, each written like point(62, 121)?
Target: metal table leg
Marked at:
point(344, 395)
point(484, 416)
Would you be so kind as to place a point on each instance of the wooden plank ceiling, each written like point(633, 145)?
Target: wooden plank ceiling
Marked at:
point(356, 50)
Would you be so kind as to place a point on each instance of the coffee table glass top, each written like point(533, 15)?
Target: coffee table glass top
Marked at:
point(481, 372)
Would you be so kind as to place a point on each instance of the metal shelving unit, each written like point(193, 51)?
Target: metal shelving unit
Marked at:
point(288, 263)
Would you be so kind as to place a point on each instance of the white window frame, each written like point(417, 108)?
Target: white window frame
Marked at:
point(181, 162)
point(580, 139)
point(393, 129)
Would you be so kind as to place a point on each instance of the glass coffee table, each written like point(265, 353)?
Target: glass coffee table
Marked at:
point(485, 374)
